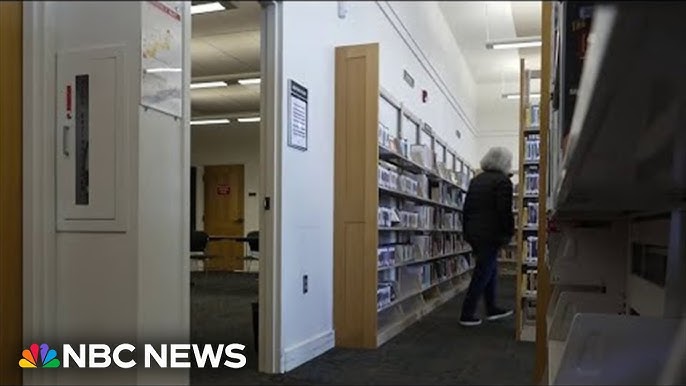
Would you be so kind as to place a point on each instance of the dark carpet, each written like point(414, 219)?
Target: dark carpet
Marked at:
point(434, 351)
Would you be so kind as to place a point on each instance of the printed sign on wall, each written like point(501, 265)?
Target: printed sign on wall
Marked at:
point(297, 116)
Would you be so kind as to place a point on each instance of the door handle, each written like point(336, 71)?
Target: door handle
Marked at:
point(239, 220)
point(65, 140)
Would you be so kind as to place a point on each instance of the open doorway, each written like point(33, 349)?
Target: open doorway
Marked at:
point(226, 168)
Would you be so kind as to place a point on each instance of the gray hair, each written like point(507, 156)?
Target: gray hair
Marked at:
point(497, 159)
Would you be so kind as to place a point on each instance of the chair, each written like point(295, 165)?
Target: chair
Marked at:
point(253, 240)
point(199, 240)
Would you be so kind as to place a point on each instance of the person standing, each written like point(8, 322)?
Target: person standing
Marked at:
point(488, 226)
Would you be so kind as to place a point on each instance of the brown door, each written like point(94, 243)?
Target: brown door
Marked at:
point(10, 192)
point(224, 215)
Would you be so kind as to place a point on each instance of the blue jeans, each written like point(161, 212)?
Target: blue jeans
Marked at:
point(484, 279)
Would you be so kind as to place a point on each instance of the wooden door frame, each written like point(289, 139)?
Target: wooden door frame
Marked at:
point(11, 194)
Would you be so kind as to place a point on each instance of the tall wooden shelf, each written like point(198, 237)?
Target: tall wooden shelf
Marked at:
point(393, 265)
point(529, 191)
point(613, 267)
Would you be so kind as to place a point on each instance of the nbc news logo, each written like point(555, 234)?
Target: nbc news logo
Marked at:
point(102, 356)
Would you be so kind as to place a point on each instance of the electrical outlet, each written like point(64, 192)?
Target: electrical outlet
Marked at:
point(305, 289)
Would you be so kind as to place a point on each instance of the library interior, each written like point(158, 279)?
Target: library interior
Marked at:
point(334, 186)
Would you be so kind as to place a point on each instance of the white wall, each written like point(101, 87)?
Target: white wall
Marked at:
point(128, 286)
point(311, 31)
point(497, 118)
point(233, 144)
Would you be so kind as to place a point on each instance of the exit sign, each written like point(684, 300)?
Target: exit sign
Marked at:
point(408, 78)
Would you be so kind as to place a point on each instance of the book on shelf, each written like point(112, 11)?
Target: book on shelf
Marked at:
point(531, 212)
point(531, 247)
point(532, 148)
point(530, 280)
point(531, 181)
point(529, 311)
point(533, 115)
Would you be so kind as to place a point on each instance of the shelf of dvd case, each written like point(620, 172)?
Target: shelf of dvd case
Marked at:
point(529, 294)
point(399, 160)
point(390, 329)
point(409, 196)
point(420, 261)
point(414, 183)
point(412, 294)
point(531, 163)
point(401, 229)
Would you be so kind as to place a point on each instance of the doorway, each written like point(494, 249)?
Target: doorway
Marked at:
point(233, 123)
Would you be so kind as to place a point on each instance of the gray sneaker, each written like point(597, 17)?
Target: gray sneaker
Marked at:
point(470, 322)
point(499, 314)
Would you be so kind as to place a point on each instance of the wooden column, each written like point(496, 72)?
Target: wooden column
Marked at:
point(523, 91)
point(356, 195)
point(10, 191)
point(544, 290)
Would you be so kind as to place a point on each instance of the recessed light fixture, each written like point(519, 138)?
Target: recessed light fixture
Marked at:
point(206, 7)
point(161, 69)
point(210, 121)
point(208, 84)
point(525, 42)
point(245, 82)
point(516, 96)
point(251, 119)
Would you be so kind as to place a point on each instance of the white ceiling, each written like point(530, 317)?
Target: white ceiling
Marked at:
point(475, 22)
point(225, 45)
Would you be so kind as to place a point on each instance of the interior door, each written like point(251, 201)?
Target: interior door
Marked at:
point(224, 215)
point(10, 191)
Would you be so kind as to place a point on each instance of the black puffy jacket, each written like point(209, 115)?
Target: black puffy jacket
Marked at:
point(488, 215)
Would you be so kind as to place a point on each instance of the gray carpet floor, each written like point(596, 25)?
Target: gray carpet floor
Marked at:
point(434, 351)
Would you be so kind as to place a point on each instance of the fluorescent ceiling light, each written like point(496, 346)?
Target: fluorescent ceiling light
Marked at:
point(206, 7)
point(531, 41)
point(251, 119)
point(157, 70)
point(249, 81)
point(516, 96)
point(210, 121)
point(208, 84)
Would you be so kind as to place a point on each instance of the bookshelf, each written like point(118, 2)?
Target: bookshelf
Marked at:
point(398, 246)
point(507, 260)
point(527, 200)
point(616, 252)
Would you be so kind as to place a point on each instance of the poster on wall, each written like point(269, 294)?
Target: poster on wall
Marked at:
point(297, 116)
point(162, 56)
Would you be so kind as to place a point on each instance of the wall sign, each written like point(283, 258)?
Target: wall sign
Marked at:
point(297, 116)
point(162, 56)
point(223, 190)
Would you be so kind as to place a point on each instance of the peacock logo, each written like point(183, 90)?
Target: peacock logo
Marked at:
point(32, 360)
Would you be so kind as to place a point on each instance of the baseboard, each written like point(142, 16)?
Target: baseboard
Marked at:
point(308, 350)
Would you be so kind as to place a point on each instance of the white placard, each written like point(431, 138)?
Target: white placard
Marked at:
point(162, 56)
point(297, 116)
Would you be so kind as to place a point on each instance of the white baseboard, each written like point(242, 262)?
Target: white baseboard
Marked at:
point(295, 356)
